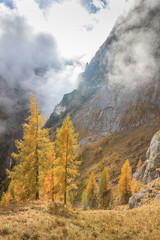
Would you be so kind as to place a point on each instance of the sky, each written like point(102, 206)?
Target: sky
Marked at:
point(45, 44)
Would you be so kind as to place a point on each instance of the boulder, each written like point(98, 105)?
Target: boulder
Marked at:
point(136, 199)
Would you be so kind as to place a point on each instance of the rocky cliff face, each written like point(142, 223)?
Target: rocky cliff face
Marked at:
point(120, 86)
point(148, 171)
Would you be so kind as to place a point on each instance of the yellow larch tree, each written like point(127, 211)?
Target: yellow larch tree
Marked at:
point(84, 197)
point(139, 164)
point(31, 156)
point(49, 178)
point(104, 182)
point(66, 163)
point(134, 186)
point(91, 189)
point(124, 184)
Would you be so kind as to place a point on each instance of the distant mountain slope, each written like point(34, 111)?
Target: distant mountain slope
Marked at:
point(121, 85)
point(13, 111)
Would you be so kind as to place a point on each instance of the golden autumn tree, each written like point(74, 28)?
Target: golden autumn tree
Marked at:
point(84, 197)
point(134, 186)
point(139, 164)
point(101, 164)
point(31, 155)
point(91, 189)
point(124, 184)
point(66, 164)
point(104, 182)
point(49, 178)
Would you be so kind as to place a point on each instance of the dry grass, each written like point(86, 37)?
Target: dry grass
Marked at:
point(39, 221)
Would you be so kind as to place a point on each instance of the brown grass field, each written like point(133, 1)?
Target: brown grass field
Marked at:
point(47, 221)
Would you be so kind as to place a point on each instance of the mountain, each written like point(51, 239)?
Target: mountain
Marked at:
point(13, 111)
point(120, 87)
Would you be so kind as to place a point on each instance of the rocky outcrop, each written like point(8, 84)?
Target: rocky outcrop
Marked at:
point(148, 171)
point(148, 193)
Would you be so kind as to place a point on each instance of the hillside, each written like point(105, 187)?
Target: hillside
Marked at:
point(114, 150)
point(43, 220)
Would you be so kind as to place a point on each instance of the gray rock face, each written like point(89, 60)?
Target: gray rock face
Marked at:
point(149, 192)
point(148, 172)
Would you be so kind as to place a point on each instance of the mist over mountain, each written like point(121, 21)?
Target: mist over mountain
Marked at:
point(124, 71)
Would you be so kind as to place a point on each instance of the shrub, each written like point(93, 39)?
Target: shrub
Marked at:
point(98, 150)
point(86, 147)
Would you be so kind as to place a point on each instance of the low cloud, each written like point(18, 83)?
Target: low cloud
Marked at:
point(134, 58)
point(31, 61)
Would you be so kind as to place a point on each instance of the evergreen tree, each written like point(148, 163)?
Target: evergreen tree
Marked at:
point(104, 182)
point(66, 164)
point(91, 187)
point(31, 155)
point(125, 181)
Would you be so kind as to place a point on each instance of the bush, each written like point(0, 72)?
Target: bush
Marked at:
point(86, 147)
point(98, 150)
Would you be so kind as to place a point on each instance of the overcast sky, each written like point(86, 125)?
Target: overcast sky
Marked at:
point(56, 36)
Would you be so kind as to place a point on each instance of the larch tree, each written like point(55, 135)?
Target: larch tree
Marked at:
point(91, 189)
point(124, 184)
point(84, 197)
point(134, 186)
point(49, 178)
point(104, 182)
point(31, 155)
point(101, 164)
point(66, 164)
point(139, 164)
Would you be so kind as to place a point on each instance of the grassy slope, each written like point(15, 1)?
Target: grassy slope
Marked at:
point(40, 220)
point(117, 148)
